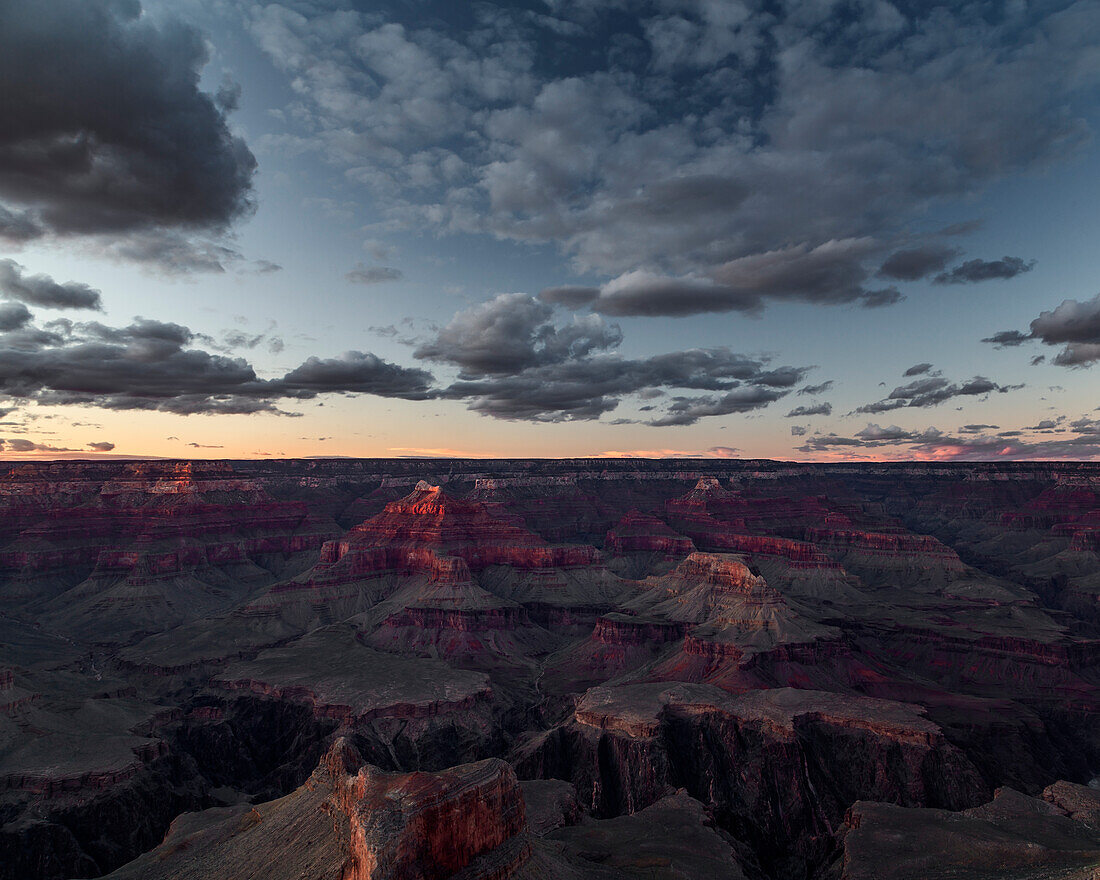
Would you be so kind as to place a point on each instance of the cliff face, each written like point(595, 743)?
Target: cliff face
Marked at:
point(779, 767)
point(356, 822)
point(1055, 835)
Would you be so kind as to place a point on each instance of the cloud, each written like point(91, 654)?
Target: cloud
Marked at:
point(570, 296)
point(101, 446)
point(42, 290)
point(1008, 338)
point(973, 271)
point(373, 274)
point(587, 387)
point(354, 372)
point(512, 332)
point(934, 444)
point(912, 264)
point(18, 227)
point(154, 365)
point(917, 369)
point(706, 157)
point(1074, 323)
point(688, 410)
point(13, 316)
point(932, 391)
point(20, 445)
point(799, 430)
point(105, 128)
point(817, 389)
point(830, 273)
point(818, 409)
point(647, 294)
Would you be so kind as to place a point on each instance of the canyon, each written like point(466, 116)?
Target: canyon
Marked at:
point(586, 668)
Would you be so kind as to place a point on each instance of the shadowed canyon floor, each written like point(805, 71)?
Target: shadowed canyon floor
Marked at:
point(539, 669)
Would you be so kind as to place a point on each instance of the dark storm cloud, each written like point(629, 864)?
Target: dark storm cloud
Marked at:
point(18, 227)
point(702, 161)
point(912, 264)
point(512, 332)
point(1075, 324)
point(818, 409)
point(42, 290)
point(373, 274)
point(973, 271)
point(105, 128)
point(932, 391)
point(13, 316)
point(917, 369)
point(152, 365)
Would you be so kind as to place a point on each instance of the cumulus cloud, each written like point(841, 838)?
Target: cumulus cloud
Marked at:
point(1075, 324)
point(105, 127)
point(701, 157)
point(514, 331)
point(42, 290)
point(373, 274)
point(973, 271)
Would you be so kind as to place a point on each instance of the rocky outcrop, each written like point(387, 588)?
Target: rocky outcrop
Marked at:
point(353, 821)
point(778, 768)
point(1012, 836)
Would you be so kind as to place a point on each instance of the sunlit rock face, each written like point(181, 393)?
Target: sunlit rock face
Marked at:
point(538, 669)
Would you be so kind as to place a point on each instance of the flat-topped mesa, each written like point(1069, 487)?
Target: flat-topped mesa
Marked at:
point(640, 532)
point(723, 572)
point(890, 544)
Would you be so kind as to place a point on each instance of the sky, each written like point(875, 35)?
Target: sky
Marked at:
point(792, 230)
